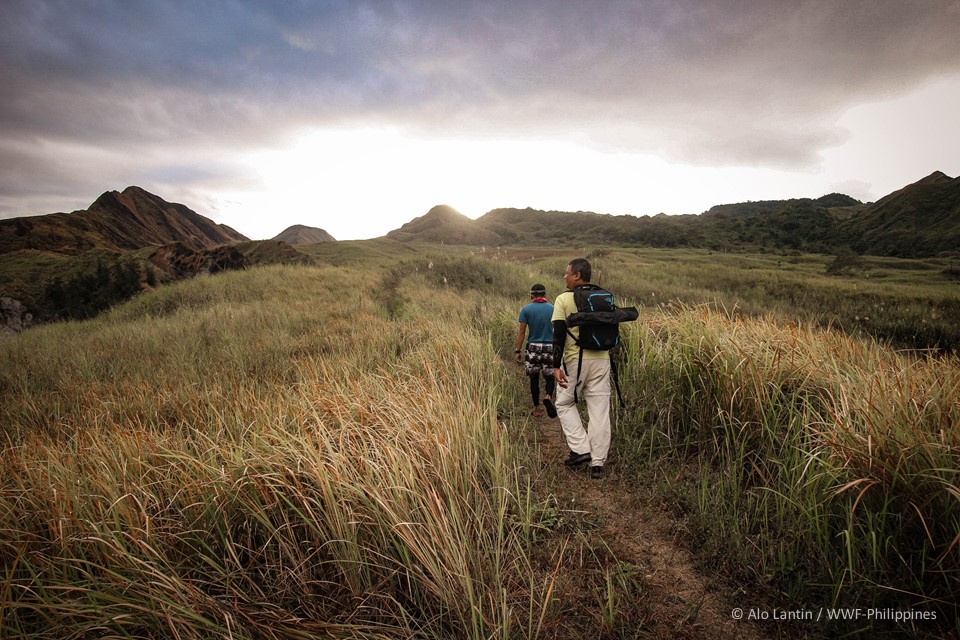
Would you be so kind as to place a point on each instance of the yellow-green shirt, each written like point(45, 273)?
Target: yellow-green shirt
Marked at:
point(563, 306)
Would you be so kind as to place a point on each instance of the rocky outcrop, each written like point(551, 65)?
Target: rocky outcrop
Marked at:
point(14, 317)
point(181, 261)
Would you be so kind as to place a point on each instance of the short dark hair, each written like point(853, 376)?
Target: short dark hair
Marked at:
point(581, 266)
point(538, 289)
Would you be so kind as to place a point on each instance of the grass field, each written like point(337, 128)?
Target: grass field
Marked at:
point(301, 451)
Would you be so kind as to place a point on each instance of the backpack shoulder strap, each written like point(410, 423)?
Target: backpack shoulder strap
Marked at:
point(614, 373)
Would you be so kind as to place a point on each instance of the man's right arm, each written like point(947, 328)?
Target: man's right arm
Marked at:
point(521, 334)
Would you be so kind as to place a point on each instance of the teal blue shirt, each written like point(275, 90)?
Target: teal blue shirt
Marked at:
point(537, 316)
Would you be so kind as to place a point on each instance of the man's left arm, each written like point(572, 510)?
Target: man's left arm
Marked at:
point(559, 341)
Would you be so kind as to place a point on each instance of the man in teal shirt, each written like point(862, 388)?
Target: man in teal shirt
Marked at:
point(536, 317)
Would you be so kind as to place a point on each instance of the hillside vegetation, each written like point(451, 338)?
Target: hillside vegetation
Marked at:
point(52, 266)
point(262, 454)
point(920, 220)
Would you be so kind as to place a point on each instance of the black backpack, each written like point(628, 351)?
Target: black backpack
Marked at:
point(598, 318)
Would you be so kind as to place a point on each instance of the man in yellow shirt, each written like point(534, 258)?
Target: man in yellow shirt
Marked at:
point(592, 381)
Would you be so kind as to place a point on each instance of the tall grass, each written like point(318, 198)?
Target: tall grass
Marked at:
point(825, 466)
point(303, 451)
point(267, 454)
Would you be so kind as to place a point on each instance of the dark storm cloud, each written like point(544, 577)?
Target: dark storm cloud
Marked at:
point(711, 82)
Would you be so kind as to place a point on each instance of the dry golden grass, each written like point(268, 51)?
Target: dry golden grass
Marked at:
point(825, 464)
point(260, 458)
point(306, 451)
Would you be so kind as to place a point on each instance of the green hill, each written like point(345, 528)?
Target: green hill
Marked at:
point(922, 219)
point(301, 234)
point(445, 225)
point(91, 257)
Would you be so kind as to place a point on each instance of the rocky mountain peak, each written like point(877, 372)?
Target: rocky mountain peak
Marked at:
point(116, 221)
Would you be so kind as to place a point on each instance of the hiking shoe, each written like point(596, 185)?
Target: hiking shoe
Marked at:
point(596, 472)
point(576, 458)
point(551, 408)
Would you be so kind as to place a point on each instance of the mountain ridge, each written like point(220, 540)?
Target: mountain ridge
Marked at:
point(75, 265)
point(130, 240)
point(920, 220)
point(116, 221)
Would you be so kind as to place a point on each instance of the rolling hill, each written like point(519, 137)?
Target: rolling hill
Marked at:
point(301, 234)
point(922, 219)
point(444, 225)
point(43, 258)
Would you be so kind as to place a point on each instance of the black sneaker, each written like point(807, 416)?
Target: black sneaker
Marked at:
point(576, 459)
point(596, 472)
point(551, 408)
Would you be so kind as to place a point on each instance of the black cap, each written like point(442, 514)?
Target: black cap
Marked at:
point(537, 288)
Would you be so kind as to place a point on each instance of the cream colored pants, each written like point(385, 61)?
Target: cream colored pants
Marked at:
point(594, 387)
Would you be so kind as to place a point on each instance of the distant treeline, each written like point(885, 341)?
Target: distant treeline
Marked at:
point(919, 221)
point(794, 225)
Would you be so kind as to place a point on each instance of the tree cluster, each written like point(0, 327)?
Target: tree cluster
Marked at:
point(88, 293)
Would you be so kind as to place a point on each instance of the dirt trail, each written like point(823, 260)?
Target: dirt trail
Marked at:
point(684, 602)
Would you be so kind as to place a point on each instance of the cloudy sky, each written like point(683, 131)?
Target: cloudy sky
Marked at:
point(357, 116)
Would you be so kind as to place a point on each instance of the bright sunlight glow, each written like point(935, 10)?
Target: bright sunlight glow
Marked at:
point(356, 183)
